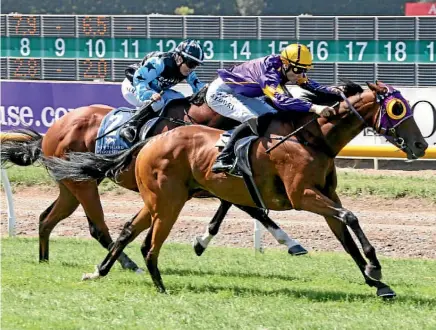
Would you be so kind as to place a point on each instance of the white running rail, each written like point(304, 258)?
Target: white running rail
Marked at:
point(10, 201)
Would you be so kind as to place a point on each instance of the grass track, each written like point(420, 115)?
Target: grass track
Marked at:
point(227, 288)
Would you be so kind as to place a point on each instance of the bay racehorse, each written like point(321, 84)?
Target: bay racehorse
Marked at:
point(173, 166)
point(77, 131)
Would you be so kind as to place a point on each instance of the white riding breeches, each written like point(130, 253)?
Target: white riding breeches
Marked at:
point(129, 94)
point(222, 99)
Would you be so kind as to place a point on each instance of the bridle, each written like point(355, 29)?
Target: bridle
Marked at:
point(379, 128)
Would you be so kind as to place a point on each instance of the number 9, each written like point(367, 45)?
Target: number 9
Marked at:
point(60, 47)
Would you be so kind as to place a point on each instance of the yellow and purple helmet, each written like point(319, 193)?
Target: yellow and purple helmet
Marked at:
point(297, 55)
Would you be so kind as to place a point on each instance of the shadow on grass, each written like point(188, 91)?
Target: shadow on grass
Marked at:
point(189, 272)
point(310, 294)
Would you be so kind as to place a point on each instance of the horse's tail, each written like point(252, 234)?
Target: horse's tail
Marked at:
point(21, 147)
point(85, 166)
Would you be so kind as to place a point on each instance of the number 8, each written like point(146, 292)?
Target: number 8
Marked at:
point(25, 47)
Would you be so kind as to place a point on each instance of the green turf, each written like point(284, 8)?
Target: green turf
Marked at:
point(226, 288)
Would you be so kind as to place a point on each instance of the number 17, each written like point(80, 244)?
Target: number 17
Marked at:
point(361, 44)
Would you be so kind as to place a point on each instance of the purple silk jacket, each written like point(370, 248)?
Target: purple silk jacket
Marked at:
point(264, 76)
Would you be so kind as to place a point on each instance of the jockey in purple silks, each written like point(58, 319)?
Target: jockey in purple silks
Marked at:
point(239, 92)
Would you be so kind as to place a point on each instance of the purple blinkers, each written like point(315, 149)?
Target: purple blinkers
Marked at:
point(393, 111)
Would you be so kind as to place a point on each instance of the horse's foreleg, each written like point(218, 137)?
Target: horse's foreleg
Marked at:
point(131, 229)
point(60, 209)
point(294, 247)
point(341, 232)
point(201, 243)
point(316, 202)
point(87, 194)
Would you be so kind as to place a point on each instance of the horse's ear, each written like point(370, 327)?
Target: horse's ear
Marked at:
point(373, 86)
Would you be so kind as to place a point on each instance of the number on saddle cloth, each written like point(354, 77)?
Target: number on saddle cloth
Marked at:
point(111, 142)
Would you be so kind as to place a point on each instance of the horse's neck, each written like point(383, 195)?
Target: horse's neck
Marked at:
point(338, 133)
point(284, 125)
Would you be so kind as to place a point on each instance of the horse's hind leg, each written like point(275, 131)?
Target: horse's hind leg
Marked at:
point(161, 226)
point(165, 198)
point(87, 194)
point(294, 247)
point(131, 229)
point(60, 209)
point(125, 261)
point(201, 243)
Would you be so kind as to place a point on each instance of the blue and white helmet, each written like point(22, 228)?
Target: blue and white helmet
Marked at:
point(191, 50)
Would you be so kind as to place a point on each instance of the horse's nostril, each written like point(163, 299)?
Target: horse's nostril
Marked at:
point(420, 145)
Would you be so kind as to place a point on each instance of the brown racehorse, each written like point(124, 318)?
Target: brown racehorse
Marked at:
point(77, 131)
point(172, 166)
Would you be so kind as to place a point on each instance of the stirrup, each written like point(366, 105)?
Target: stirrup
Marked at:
point(219, 166)
point(129, 134)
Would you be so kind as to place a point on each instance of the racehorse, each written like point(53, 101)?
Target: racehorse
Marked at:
point(171, 167)
point(77, 131)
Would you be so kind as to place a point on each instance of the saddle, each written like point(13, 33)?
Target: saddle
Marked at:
point(242, 166)
point(108, 139)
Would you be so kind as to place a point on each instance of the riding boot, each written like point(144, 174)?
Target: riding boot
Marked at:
point(130, 131)
point(225, 160)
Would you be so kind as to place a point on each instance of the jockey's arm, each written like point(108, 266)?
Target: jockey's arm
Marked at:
point(150, 70)
point(272, 88)
point(194, 82)
point(315, 87)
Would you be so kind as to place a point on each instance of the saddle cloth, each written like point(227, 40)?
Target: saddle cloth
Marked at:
point(112, 142)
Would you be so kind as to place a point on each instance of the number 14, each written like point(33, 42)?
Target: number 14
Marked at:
point(361, 44)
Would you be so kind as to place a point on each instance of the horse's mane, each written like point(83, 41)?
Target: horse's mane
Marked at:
point(349, 88)
point(198, 98)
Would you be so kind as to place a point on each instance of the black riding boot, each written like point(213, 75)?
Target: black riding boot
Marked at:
point(225, 159)
point(130, 131)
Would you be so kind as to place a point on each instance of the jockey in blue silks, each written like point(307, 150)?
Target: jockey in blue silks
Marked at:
point(158, 72)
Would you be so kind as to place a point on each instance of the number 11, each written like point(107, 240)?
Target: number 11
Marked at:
point(135, 45)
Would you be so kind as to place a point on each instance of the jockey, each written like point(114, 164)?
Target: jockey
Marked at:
point(159, 72)
point(239, 91)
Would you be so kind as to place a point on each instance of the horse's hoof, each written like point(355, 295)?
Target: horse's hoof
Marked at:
point(91, 276)
point(297, 250)
point(386, 293)
point(373, 273)
point(161, 290)
point(129, 265)
point(139, 271)
point(198, 248)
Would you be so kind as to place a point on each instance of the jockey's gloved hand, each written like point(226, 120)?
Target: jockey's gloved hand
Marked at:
point(336, 90)
point(322, 110)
